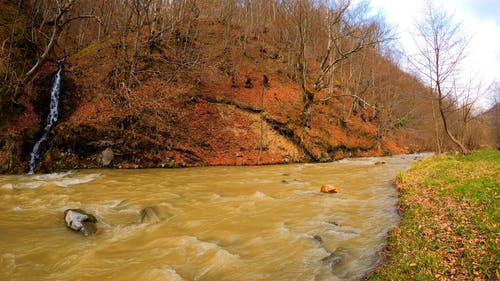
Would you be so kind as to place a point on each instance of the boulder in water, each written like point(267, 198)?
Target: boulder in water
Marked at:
point(318, 238)
point(326, 188)
point(79, 220)
point(334, 258)
point(149, 215)
point(106, 157)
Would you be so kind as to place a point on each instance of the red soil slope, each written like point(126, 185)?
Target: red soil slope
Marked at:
point(172, 116)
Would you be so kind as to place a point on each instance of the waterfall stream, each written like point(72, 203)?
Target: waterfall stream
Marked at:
point(55, 91)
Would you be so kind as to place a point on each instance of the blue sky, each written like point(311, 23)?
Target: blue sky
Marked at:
point(480, 18)
point(483, 9)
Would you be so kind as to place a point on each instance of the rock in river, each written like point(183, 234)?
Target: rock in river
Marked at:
point(330, 189)
point(106, 157)
point(149, 215)
point(334, 258)
point(81, 221)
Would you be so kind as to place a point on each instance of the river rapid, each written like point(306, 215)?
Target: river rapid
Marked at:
point(217, 223)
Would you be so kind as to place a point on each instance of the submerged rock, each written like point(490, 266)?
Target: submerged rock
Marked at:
point(380, 163)
point(330, 189)
point(294, 181)
point(79, 220)
point(318, 238)
point(149, 215)
point(334, 258)
point(334, 223)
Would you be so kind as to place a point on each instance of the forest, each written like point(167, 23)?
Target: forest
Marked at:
point(174, 83)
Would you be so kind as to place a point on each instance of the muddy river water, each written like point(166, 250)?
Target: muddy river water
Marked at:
point(216, 223)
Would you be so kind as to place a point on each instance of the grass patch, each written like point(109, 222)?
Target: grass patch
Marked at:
point(90, 50)
point(449, 227)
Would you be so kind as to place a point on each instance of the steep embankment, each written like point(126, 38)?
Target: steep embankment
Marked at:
point(213, 109)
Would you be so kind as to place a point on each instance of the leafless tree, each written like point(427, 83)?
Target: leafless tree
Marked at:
point(51, 16)
point(466, 98)
point(349, 31)
point(58, 22)
point(496, 114)
point(441, 48)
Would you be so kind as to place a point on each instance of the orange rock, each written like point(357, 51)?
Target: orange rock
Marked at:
point(326, 188)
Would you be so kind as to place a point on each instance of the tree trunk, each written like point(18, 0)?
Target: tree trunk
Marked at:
point(56, 30)
point(261, 141)
point(308, 96)
point(306, 113)
point(436, 128)
point(462, 147)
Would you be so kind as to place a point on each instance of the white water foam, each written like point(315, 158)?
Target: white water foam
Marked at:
point(51, 176)
point(64, 179)
point(257, 196)
point(7, 186)
point(67, 182)
point(262, 196)
point(218, 262)
point(343, 234)
point(167, 274)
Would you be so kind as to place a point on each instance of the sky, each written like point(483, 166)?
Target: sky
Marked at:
point(480, 19)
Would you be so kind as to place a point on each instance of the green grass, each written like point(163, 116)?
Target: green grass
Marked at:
point(449, 228)
point(89, 50)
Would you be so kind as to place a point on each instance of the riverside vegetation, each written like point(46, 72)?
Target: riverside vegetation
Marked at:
point(449, 228)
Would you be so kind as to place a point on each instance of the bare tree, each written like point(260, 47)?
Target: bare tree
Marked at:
point(466, 98)
point(496, 115)
point(441, 48)
point(58, 22)
point(54, 15)
point(349, 31)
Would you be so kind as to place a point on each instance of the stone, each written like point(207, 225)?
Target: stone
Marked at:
point(334, 223)
point(79, 220)
point(248, 83)
point(326, 188)
point(380, 163)
point(149, 215)
point(318, 238)
point(106, 157)
point(333, 259)
point(88, 228)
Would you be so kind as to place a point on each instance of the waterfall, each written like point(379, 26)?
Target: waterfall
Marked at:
point(37, 152)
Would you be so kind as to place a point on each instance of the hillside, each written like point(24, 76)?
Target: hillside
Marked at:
point(491, 132)
point(206, 95)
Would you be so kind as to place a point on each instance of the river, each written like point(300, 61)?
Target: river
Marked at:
point(217, 223)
